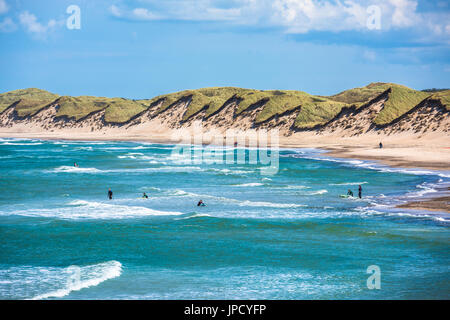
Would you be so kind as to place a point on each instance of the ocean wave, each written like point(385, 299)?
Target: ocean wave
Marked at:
point(229, 171)
point(313, 193)
point(248, 203)
point(252, 184)
point(81, 209)
point(141, 156)
point(373, 166)
point(37, 283)
point(21, 144)
point(242, 203)
point(152, 147)
point(197, 215)
point(84, 277)
point(294, 187)
point(70, 169)
point(81, 148)
point(415, 214)
point(348, 183)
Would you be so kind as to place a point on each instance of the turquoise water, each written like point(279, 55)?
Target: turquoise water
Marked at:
point(286, 236)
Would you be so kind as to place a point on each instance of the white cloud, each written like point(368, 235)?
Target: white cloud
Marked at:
point(30, 23)
point(7, 25)
point(133, 14)
point(144, 14)
point(115, 11)
point(3, 7)
point(301, 16)
point(404, 14)
point(294, 16)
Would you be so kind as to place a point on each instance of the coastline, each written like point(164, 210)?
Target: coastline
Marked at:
point(398, 155)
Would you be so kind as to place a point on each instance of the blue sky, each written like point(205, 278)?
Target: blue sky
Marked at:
point(143, 48)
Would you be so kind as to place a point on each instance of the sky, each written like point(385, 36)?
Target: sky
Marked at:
point(143, 48)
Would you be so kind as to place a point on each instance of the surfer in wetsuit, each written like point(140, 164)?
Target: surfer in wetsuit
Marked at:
point(350, 193)
point(360, 192)
point(75, 165)
point(145, 196)
point(201, 204)
point(110, 194)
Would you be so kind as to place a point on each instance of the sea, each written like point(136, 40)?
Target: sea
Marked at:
point(288, 235)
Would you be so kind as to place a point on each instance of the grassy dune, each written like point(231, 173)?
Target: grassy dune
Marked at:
point(121, 110)
point(314, 110)
point(443, 97)
point(31, 100)
point(360, 96)
point(401, 100)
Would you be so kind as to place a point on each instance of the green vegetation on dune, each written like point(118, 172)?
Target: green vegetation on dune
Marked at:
point(28, 107)
point(401, 100)
point(32, 100)
point(316, 113)
point(275, 102)
point(363, 95)
point(314, 110)
point(360, 96)
point(79, 107)
point(121, 110)
point(209, 98)
point(443, 97)
point(212, 98)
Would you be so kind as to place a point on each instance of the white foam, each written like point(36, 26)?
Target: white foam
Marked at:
point(248, 203)
point(348, 183)
point(72, 169)
point(253, 184)
point(415, 214)
point(21, 144)
point(80, 209)
point(295, 187)
point(375, 166)
point(229, 171)
point(245, 203)
point(197, 215)
point(313, 193)
point(81, 148)
point(84, 277)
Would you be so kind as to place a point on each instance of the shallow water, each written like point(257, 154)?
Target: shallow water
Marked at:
point(286, 236)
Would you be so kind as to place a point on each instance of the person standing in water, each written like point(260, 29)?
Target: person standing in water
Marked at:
point(381, 145)
point(145, 196)
point(201, 204)
point(360, 191)
point(110, 194)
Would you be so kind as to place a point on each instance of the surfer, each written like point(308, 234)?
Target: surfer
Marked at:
point(145, 196)
point(201, 204)
point(75, 165)
point(350, 193)
point(360, 192)
point(110, 194)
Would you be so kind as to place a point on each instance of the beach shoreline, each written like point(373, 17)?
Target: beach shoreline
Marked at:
point(402, 152)
point(436, 158)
